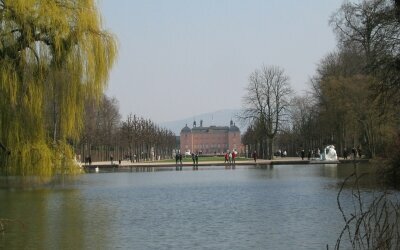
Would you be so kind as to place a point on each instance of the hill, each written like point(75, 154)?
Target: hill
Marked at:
point(217, 118)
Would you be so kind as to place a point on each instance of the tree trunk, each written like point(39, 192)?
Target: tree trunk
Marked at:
point(270, 143)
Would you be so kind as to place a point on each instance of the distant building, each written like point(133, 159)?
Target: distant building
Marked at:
point(210, 140)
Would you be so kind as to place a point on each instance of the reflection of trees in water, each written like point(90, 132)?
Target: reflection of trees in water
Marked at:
point(371, 222)
point(49, 219)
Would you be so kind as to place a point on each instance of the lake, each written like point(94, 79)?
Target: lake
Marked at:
point(279, 207)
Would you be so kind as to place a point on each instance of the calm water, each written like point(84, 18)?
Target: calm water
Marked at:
point(284, 207)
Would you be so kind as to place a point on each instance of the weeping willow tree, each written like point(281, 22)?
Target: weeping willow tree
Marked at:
point(54, 55)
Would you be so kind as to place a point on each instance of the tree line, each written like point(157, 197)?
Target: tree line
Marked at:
point(353, 98)
point(105, 135)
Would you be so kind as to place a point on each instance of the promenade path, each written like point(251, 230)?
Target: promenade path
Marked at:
point(275, 161)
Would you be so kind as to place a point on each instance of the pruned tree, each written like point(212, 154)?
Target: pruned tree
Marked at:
point(101, 123)
point(267, 101)
point(141, 137)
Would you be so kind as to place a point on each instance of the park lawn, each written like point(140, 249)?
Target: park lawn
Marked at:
point(204, 158)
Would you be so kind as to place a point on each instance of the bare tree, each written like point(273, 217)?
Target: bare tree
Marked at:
point(267, 101)
point(141, 137)
point(100, 126)
point(363, 26)
point(372, 28)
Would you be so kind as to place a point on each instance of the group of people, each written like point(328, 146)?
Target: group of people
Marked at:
point(230, 157)
point(281, 153)
point(88, 160)
point(195, 158)
point(354, 152)
point(178, 158)
point(310, 154)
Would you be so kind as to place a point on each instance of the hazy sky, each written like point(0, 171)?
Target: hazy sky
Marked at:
point(182, 58)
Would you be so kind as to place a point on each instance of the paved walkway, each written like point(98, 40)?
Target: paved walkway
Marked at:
point(275, 161)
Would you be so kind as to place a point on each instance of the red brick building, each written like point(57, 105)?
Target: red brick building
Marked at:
point(211, 140)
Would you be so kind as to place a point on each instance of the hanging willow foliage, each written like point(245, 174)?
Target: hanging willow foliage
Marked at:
point(54, 55)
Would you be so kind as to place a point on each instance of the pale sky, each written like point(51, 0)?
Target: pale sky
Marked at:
point(179, 58)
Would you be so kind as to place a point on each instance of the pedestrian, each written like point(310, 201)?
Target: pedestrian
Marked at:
point(176, 158)
point(197, 158)
point(354, 151)
point(255, 156)
point(309, 154)
point(302, 154)
point(111, 158)
point(90, 160)
point(180, 158)
point(193, 159)
point(226, 157)
point(345, 153)
point(233, 156)
point(230, 158)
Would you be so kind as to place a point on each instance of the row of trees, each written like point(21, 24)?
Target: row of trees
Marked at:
point(353, 98)
point(105, 135)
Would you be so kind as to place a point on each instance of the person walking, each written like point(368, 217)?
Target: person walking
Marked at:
point(255, 156)
point(226, 157)
point(193, 159)
point(354, 151)
point(345, 153)
point(302, 154)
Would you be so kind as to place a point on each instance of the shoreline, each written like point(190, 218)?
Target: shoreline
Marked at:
point(249, 162)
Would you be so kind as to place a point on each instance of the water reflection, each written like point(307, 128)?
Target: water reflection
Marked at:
point(230, 166)
point(53, 219)
point(214, 207)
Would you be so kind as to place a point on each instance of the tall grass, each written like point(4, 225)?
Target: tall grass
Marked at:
point(369, 223)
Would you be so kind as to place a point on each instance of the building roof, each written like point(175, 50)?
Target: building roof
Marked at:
point(186, 129)
point(201, 129)
point(210, 129)
point(233, 128)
